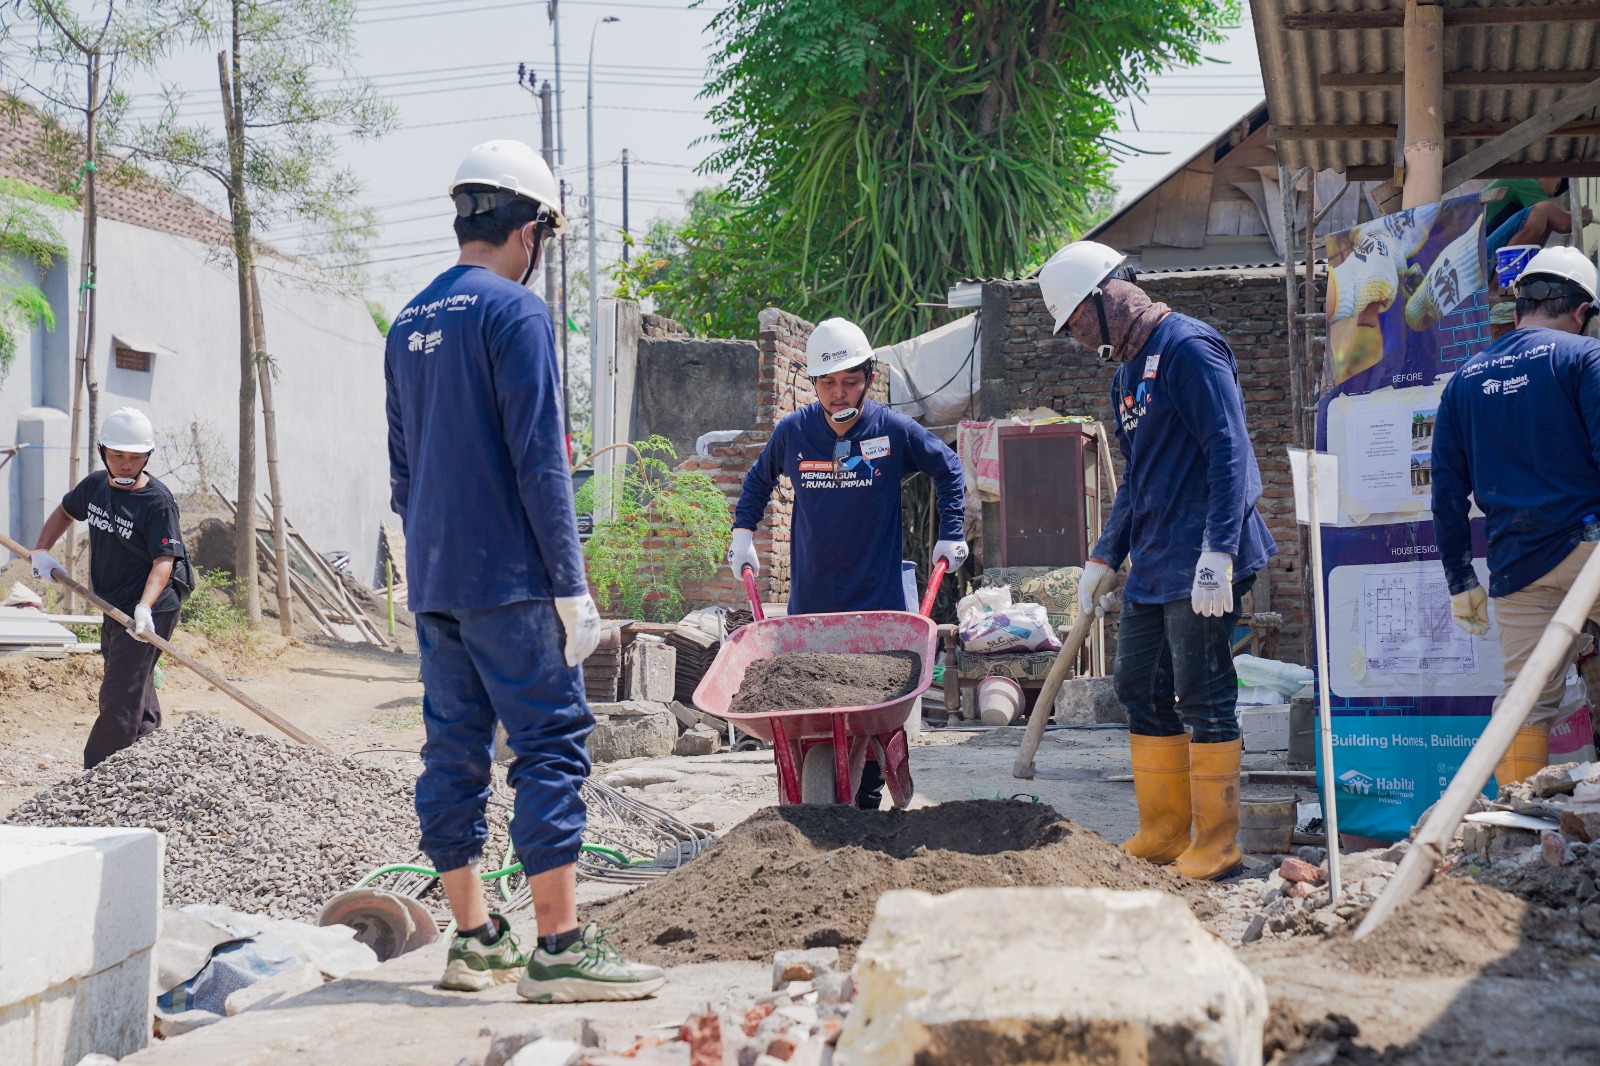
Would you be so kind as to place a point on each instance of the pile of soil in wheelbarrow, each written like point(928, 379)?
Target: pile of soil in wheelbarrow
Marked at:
point(817, 679)
point(810, 876)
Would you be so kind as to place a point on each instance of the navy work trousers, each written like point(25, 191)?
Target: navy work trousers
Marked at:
point(507, 664)
point(1175, 669)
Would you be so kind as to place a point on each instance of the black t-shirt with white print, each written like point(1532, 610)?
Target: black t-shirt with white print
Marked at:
point(147, 517)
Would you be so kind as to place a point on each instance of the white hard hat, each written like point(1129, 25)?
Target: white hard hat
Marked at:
point(835, 345)
point(516, 168)
point(1564, 262)
point(1073, 274)
point(128, 430)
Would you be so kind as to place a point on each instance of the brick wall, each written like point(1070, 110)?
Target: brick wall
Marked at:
point(781, 388)
point(1025, 366)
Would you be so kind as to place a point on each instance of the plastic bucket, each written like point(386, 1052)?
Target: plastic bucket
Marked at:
point(999, 700)
point(1509, 261)
point(1266, 825)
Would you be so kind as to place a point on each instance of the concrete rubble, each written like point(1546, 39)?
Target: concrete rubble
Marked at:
point(632, 729)
point(1027, 975)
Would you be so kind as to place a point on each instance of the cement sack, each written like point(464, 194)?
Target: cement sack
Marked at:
point(988, 628)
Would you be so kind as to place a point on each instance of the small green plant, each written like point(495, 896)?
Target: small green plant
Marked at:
point(211, 612)
point(86, 634)
point(655, 527)
point(28, 235)
point(379, 319)
point(401, 719)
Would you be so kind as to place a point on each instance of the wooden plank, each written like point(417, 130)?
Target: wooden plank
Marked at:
point(1569, 169)
point(342, 597)
point(1457, 81)
point(1557, 117)
point(1182, 209)
point(264, 543)
point(1394, 19)
point(1455, 131)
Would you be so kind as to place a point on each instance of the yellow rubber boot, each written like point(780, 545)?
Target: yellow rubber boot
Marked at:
point(1529, 753)
point(1214, 785)
point(1161, 788)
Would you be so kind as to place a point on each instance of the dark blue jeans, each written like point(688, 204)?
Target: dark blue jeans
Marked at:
point(1175, 669)
point(504, 663)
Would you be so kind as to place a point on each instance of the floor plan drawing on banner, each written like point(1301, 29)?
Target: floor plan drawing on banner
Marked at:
point(1407, 624)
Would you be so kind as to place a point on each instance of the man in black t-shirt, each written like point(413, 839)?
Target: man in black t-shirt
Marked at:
point(135, 541)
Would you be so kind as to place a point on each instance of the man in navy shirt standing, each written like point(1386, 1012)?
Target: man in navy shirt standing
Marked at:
point(1186, 515)
point(1518, 430)
point(846, 456)
point(478, 469)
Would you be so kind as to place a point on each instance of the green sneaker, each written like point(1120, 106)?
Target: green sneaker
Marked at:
point(590, 969)
point(474, 966)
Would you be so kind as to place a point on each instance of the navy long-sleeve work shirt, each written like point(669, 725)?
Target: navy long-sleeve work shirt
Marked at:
point(1518, 429)
point(845, 546)
point(1190, 481)
point(477, 452)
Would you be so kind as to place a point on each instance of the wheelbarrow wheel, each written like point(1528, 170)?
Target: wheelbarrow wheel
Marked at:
point(817, 775)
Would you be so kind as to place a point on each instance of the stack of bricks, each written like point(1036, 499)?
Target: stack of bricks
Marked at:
point(782, 387)
point(661, 327)
point(1026, 366)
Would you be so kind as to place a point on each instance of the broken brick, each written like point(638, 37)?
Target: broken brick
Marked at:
point(755, 1016)
point(703, 1034)
point(781, 1047)
point(1301, 871)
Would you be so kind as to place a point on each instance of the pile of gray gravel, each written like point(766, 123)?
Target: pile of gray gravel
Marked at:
point(259, 824)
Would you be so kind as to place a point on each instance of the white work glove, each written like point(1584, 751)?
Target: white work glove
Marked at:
point(742, 553)
point(1212, 594)
point(144, 624)
point(1090, 594)
point(953, 552)
point(581, 619)
point(1108, 603)
point(45, 566)
point(1471, 610)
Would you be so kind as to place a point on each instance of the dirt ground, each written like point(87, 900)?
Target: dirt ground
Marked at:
point(1468, 973)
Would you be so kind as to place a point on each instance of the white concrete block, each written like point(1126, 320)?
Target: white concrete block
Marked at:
point(548, 1052)
point(18, 1033)
point(1031, 975)
point(73, 902)
point(112, 1009)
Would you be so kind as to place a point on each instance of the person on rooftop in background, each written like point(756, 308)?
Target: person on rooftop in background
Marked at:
point(1518, 432)
point(137, 565)
point(846, 456)
point(1186, 515)
point(1528, 213)
point(479, 475)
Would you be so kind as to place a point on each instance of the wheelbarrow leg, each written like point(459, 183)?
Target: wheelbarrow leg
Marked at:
point(844, 789)
point(783, 754)
point(894, 756)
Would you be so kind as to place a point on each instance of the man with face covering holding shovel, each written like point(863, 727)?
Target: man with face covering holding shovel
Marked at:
point(1186, 515)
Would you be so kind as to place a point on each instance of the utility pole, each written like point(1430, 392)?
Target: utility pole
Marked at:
point(624, 205)
point(561, 136)
point(547, 150)
point(566, 374)
point(595, 382)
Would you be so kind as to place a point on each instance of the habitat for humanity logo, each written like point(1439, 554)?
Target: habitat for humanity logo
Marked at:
point(1356, 783)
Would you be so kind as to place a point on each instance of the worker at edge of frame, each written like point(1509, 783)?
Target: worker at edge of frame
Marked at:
point(846, 456)
point(137, 564)
point(1518, 431)
point(495, 576)
point(1186, 517)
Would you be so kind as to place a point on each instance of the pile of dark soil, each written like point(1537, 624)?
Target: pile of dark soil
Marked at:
point(813, 679)
point(810, 876)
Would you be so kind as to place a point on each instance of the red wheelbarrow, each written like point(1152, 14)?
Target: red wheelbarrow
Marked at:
point(821, 751)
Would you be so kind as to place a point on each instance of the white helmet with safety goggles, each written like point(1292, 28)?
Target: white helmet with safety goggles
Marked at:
point(513, 170)
point(834, 345)
point(1553, 266)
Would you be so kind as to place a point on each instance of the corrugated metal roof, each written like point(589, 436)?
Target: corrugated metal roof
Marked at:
point(1296, 64)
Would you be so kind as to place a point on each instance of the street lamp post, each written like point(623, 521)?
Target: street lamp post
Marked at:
point(594, 270)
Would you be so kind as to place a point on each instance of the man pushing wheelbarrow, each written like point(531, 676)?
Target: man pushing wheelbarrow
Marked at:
point(846, 456)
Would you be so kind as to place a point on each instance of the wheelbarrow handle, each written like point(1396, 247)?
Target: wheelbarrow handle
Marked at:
point(749, 575)
point(933, 587)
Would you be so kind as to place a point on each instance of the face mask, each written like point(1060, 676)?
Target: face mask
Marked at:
point(1095, 334)
point(533, 259)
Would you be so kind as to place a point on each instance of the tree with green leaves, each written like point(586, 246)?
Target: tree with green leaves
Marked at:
point(288, 89)
point(27, 236)
point(876, 150)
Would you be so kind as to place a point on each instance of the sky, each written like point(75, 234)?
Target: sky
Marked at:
point(450, 68)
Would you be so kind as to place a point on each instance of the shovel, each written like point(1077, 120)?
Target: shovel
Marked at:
point(1046, 702)
point(289, 728)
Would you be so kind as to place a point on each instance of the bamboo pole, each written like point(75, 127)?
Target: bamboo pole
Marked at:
point(1549, 655)
point(269, 423)
point(299, 585)
point(288, 728)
